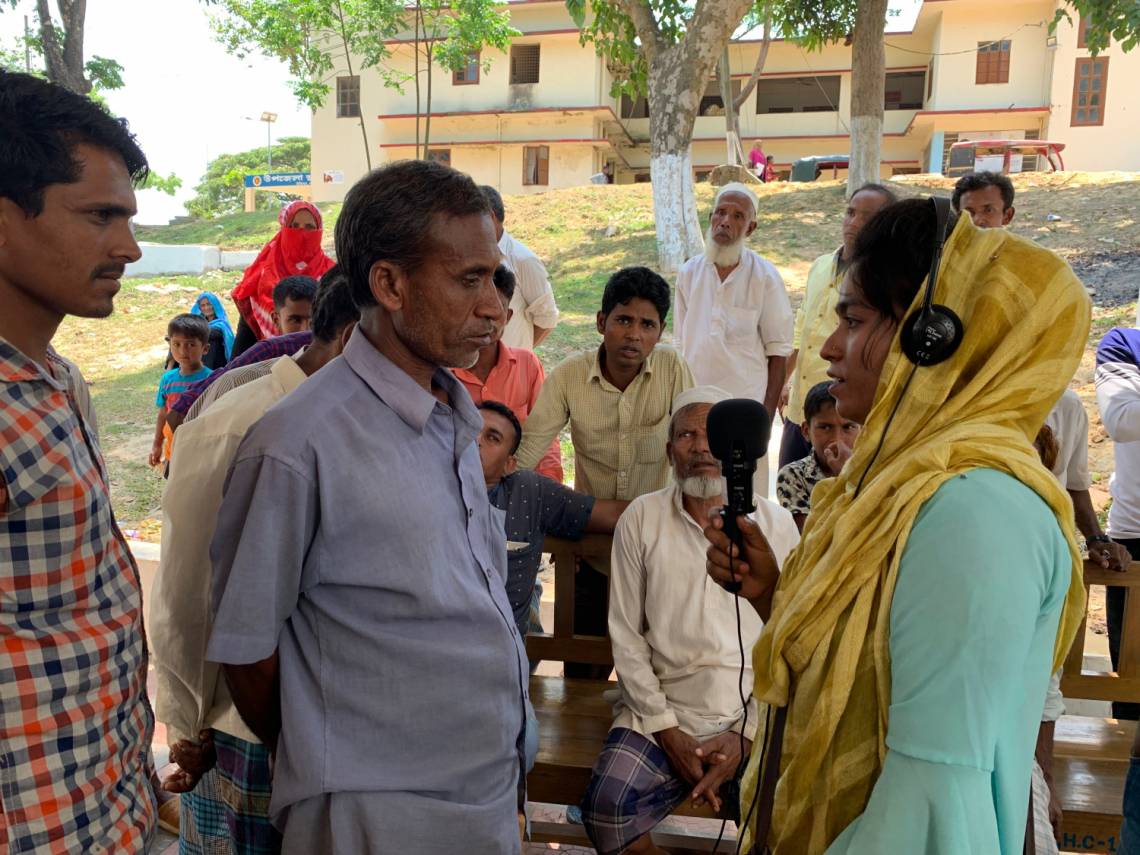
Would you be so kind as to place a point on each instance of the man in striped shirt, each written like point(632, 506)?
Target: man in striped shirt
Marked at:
point(75, 724)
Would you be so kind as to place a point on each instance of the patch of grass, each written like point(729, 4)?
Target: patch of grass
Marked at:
point(122, 358)
point(233, 231)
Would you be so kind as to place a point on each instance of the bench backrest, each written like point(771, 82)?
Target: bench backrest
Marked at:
point(1124, 683)
point(563, 645)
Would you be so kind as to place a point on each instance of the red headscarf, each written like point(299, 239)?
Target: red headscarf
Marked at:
point(291, 252)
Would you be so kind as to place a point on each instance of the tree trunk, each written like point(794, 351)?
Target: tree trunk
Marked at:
point(416, 68)
point(731, 127)
point(674, 95)
point(348, 63)
point(868, 82)
point(64, 60)
point(427, 111)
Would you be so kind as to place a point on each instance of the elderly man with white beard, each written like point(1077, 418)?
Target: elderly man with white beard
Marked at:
point(733, 321)
point(678, 720)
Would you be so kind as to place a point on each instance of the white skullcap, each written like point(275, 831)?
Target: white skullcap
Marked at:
point(742, 189)
point(699, 395)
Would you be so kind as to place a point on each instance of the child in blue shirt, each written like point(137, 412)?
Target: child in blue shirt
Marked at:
point(189, 339)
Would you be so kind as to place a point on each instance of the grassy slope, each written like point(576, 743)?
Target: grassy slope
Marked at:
point(567, 228)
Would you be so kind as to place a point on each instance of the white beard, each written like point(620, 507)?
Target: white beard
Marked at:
point(703, 486)
point(723, 255)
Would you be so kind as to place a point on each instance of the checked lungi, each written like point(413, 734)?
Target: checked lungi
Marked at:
point(228, 812)
point(632, 789)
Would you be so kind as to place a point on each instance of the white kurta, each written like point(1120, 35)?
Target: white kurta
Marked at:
point(533, 302)
point(727, 330)
point(673, 628)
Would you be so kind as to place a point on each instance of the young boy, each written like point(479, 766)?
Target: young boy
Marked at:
point(189, 339)
point(617, 400)
point(831, 438)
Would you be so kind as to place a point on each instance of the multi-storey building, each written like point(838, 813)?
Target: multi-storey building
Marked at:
point(541, 114)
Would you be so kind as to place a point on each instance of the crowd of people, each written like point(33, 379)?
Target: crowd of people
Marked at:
point(351, 543)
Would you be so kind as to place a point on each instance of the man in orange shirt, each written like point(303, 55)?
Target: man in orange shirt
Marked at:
point(511, 375)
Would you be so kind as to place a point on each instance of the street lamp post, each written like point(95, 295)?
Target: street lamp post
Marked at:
point(269, 119)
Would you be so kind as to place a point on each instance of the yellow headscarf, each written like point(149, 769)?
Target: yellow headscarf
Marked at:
point(824, 652)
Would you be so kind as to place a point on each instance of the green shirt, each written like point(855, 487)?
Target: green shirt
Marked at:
point(973, 622)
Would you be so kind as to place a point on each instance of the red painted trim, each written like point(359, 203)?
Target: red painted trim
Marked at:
point(789, 163)
point(516, 40)
point(767, 137)
point(586, 109)
point(436, 144)
point(973, 112)
point(823, 72)
point(980, 109)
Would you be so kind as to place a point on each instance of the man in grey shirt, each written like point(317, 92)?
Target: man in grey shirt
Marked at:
point(359, 570)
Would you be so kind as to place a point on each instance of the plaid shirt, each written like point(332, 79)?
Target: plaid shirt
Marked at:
point(75, 722)
point(270, 348)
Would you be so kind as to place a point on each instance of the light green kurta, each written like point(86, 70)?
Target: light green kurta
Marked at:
point(974, 617)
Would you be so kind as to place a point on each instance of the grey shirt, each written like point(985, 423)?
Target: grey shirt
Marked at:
point(536, 506)
point(355, 538)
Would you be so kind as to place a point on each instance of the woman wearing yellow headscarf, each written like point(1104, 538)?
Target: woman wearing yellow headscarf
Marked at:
point(912, 633)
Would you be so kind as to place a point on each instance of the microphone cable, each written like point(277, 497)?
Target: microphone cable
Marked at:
point(886, 428)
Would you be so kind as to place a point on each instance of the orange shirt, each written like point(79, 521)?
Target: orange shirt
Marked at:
point(515, 380)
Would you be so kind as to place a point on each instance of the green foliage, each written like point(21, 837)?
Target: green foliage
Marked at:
point(221, 190)
point(317, 39)
point(105, 74)
point(463, 27)
point(314, 38)
point(167, 184)
point(1117, 20)
point(615, 38)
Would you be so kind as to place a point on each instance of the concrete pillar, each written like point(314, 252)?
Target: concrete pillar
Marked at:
point(937, 141)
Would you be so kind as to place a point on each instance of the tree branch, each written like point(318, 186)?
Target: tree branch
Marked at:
point(754, 78)
point(646, 25)
point(712, 23)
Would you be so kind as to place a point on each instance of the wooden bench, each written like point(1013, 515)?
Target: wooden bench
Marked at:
point(1091, 755)
point(573, 717)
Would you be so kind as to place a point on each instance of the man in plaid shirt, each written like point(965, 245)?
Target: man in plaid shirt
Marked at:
point(75, 723)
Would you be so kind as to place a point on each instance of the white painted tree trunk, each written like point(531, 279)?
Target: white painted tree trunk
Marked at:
point(675, 209)
point(678, 75)
point(868, 82)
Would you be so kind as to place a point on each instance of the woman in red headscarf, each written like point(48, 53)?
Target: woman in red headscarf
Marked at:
point(294, 251)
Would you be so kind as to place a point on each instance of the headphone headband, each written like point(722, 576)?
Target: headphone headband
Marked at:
point(932, 334)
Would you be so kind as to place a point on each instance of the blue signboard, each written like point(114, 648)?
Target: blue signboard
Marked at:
point(264, 180)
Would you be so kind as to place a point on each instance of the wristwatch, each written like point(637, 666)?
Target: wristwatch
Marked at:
point(1098, 538)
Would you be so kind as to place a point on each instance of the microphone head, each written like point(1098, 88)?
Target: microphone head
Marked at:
point(742, 422)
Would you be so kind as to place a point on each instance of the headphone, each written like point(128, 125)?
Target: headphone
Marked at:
point(933, 332)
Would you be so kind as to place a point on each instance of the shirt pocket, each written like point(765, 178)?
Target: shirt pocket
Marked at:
point(649, 443)
point(741, 325)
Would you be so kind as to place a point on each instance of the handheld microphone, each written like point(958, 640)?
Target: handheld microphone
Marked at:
point(738, 431)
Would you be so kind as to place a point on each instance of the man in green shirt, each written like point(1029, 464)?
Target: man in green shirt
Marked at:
point(617, 401)
point(815, 319)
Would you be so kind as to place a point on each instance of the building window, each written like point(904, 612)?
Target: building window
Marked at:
point(1090, 83)
point(634, 108)
point(348, 97)
point(524, 63)
point(711, 102)
point(439, 155)
point(536, 165)
point(469, 74)
point(1082, 32)
point(903, 90)
point(993, 62)
point(798, 94)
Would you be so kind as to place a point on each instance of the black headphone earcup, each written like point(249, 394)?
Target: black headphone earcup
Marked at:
point(930, 336)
